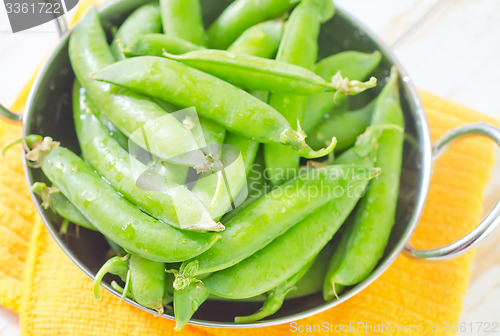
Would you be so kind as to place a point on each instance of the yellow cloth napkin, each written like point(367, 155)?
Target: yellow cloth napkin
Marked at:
point(53, 297)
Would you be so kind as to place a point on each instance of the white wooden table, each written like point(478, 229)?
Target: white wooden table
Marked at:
point(449, 47)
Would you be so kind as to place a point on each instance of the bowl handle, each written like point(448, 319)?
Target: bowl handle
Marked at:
point(62, 28)
point(7, 114)
point(484, 229)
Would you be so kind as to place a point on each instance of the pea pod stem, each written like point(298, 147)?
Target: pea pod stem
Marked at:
point(350, 87)
point(353, 65)
point(115, 265)
point(346, 126)
point(53, 198)
point(296, 140)
point(126, 289)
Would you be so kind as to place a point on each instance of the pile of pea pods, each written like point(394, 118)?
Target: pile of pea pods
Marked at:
point(322, 180)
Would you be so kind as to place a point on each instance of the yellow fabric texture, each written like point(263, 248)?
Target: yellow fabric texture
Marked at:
point(53, 297)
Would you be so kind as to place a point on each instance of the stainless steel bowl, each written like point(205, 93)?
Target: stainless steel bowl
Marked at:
point(49, 113)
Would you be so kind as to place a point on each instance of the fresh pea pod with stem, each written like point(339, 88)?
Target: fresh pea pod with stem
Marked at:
point(345, 127)
point(299, 46)
point(137, 116)
point(53, 198)
point(275, 297)
point(109, 212)
point(375, 216)
point(213, 98)
point(115, 265)
point(353, 65)
point(257, 185)
point(157, 44)
point(183, 19)
point(271, 215)
point(241, 15)
point(261, 40)
point(170, 202)
point(144, 280)
point(257, 73)
point(144, 20)
point(268, 267)
point(218, 194)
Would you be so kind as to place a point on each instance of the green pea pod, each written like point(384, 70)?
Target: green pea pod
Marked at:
point(257, 185)
point(273, 214)
point(186, 303)
point(105, 208)
point(299, 46)
point(157, 44)
point(241, 15)
point(144, 280)
point(267, 267)
point(148, 282)
point(53, 198)
point(214, 135)
point(351, 64)
point(137, 116)
point(213, 98)
point(274, 298)
point(312, 281)
point(261, 40)
point(207, 189)
point(169, 202)
point(144, 20)
point(115, 265)
point(375, 216)
point(257, 73)
point(183, 19)
point(345, 127)
point(218, 194)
